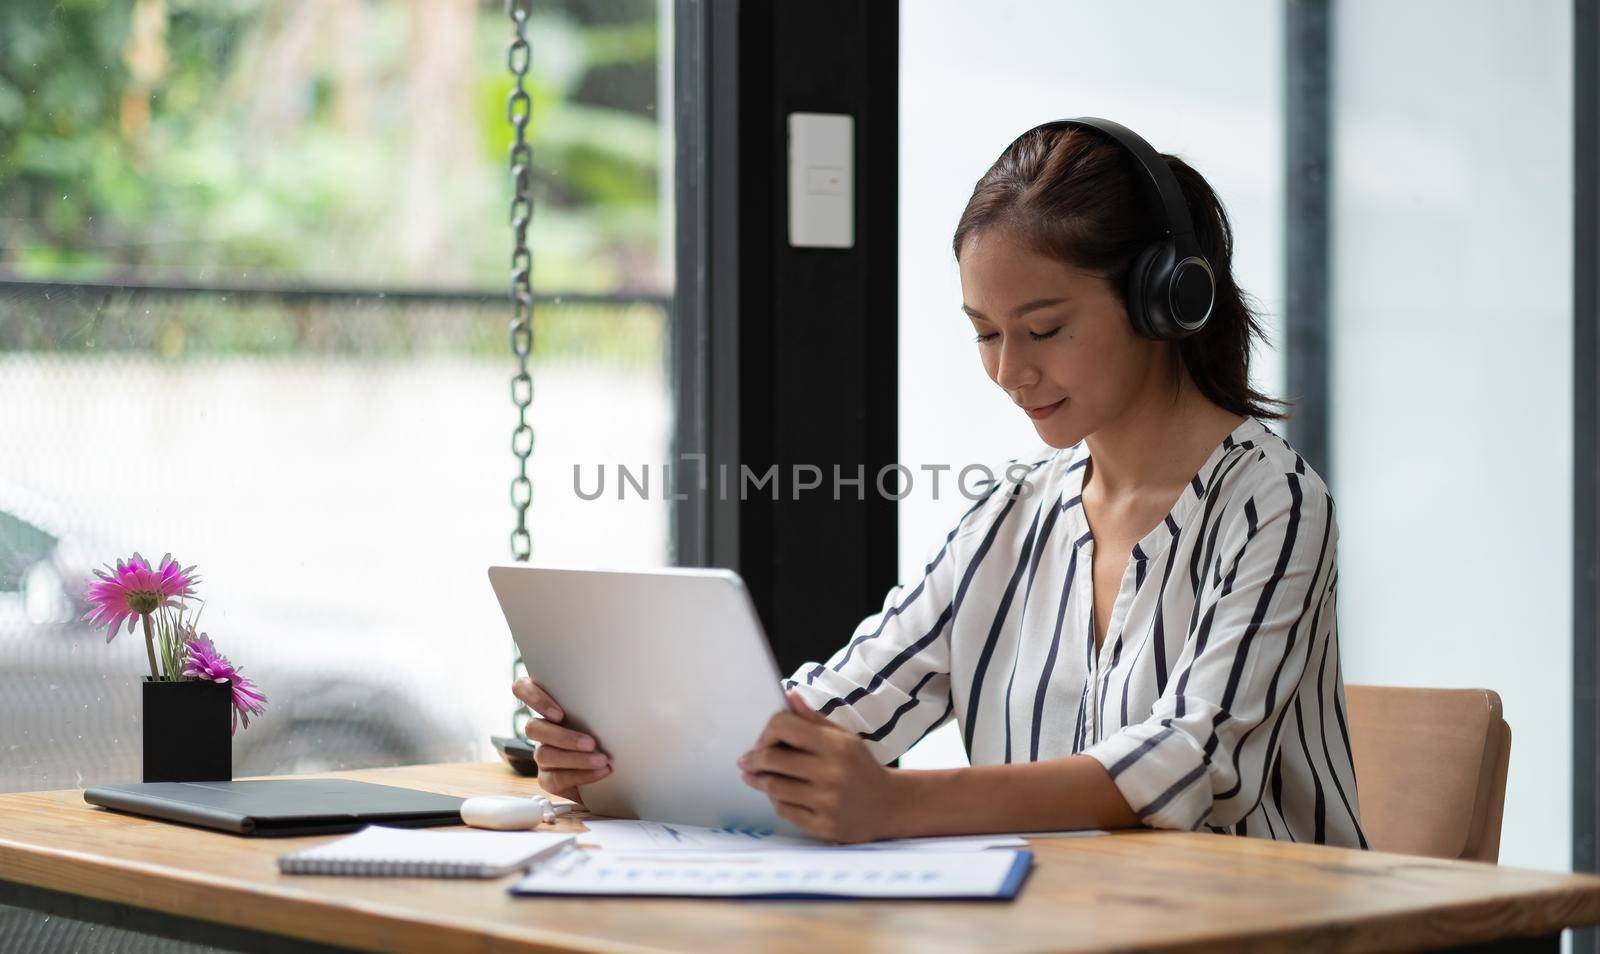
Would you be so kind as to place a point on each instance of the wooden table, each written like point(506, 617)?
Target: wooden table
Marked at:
point(1141, 890)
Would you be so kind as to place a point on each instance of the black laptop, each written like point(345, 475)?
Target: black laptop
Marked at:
point(276, 807)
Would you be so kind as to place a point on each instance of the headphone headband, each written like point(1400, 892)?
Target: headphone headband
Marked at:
point(1180, 227)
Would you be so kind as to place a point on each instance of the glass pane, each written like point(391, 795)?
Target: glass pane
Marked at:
point(253, 312)
point(1452, 381)
point(1164, 84)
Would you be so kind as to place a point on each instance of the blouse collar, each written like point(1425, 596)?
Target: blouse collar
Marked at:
point(1246, 436)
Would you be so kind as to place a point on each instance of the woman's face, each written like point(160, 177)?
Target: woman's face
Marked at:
point(1054, 338)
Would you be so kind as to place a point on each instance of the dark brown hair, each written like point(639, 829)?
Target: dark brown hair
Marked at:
point(1079, 197)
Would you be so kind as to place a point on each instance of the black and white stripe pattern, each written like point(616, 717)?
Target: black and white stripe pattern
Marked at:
point(1216, 699)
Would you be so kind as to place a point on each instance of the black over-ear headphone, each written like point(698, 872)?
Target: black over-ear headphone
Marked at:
point(1171, 287)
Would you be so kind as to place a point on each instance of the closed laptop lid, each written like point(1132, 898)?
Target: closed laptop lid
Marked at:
point(279, 806)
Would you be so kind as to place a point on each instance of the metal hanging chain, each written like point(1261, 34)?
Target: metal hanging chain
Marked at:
point(518, 106)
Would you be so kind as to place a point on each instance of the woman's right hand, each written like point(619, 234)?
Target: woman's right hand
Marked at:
point(566, 758)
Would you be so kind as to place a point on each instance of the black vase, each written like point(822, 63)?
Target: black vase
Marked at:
point(188, 731)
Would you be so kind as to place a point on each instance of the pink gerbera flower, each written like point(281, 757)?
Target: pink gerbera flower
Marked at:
point(204, 662)
point(133, 590)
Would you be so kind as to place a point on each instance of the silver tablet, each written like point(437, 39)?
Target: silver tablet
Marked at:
point(671, 673)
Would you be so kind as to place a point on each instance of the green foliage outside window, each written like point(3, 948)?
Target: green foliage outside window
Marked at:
point(323, 142)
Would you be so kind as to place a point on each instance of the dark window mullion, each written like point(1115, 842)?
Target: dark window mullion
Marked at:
point(1585, 445)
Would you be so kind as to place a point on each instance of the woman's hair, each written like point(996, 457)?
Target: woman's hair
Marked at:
point(1079, 197)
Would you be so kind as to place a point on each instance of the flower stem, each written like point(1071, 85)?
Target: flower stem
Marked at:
point(150, 646)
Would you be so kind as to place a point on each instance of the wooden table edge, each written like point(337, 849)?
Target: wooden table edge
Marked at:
point(449, 933)
point(365, 925)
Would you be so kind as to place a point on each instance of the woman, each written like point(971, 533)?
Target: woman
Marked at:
point(1135, 627)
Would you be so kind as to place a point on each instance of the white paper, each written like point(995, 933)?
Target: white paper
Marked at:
point(624, 834)
point(850, 874)
point(945, 843)
point(632, 835)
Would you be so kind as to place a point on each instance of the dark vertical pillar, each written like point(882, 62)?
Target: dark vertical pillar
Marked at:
point(799, 343)
point(1307, 92)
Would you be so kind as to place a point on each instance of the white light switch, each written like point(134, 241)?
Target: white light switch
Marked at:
point(822, 180)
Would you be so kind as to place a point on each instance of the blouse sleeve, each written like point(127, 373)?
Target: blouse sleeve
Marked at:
point(1204, 755)
point(890, 682)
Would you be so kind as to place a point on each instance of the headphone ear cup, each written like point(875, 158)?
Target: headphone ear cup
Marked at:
point(1146, 291)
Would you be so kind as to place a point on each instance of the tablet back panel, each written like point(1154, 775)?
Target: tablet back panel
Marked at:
point(669, 671)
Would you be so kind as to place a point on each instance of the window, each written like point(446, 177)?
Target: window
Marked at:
point(1451, 339)
point(253, 311)
point(1227, 123)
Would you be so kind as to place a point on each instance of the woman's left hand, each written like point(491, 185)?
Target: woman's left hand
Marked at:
point(822, 777)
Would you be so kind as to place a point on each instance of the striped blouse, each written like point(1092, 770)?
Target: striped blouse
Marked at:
point(1215, 700)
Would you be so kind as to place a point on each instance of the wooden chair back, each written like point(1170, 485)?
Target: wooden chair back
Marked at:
point(1430, 769)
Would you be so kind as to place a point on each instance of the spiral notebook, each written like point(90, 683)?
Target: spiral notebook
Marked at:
point(408, 852)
